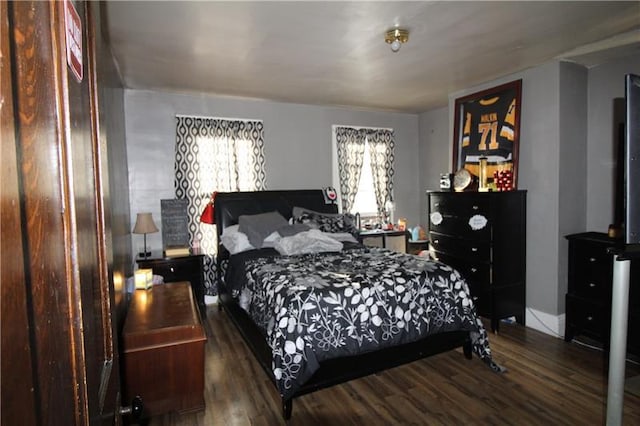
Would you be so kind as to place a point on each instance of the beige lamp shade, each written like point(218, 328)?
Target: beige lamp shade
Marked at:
point(144, 224)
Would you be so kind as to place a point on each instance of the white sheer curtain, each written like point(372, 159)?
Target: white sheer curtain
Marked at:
point(350, 143)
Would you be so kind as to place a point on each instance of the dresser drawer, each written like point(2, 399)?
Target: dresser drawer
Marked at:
point(465, 205)
point(477, 274)
point(594, 288)
point(470, 250)
point(176, 269)
point(592, 263)
point(589, 317)
point(460, 226)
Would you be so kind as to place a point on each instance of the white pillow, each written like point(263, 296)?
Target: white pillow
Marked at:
point(341, 236)
point(271, 239)
point(234, 240)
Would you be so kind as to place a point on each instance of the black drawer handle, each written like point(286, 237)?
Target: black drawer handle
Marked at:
point(474, 249)
point(475, 207)
point(474, 270)
point(589, 318)
point(591, 285)
point(592, 259)
point(436, 241)
point(171, 268)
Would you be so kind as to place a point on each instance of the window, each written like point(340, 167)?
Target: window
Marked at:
point(365, 200)
point(214, 154)
point(363, 169)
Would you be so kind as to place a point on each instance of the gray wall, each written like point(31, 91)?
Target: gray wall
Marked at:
point(606, 82)
point(297, 146)
point(434, 150)
point(572, 166)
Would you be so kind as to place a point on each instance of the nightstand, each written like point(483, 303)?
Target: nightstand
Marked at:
point(393, 240)
point(416, 246)
point(184, 268)
point(589, 286)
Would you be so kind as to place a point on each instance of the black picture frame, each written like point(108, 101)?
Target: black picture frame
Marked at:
point(487, 124)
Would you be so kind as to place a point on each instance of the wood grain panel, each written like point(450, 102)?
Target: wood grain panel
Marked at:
point(64, 226)
point(40, 157)
point(17, 405)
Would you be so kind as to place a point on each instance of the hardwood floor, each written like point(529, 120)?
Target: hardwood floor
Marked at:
point(548, 382)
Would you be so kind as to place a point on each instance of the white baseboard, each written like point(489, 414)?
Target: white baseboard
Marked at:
point(210, 300)
point(552, 325)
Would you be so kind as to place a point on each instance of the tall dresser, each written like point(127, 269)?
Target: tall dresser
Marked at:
point(483, 236)
point(590, 278)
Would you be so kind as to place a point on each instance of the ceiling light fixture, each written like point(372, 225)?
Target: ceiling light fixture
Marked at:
point(396, 37)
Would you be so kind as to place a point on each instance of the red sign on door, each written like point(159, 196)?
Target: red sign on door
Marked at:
point(73, 27)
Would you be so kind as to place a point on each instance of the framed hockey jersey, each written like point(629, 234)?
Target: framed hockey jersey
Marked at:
point(487, 125)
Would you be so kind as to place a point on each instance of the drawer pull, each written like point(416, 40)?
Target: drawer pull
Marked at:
point(591, 285)
point(436, 204)
point(475, 207)
point(172, 270)
point(589, 318)
point(474, 249)
point(474, 270)
point(436, 241)
point(592, 259)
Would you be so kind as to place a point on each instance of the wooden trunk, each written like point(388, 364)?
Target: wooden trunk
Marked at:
point(164, 349)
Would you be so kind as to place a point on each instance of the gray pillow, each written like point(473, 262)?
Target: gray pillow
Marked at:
point(289, 230)
point(259, 226)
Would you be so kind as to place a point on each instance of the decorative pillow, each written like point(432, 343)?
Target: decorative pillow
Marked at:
point(259, 226)
point(292, 229)
point(234, 240)
point(326, 222)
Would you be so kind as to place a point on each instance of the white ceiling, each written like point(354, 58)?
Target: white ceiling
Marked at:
point(333, 53)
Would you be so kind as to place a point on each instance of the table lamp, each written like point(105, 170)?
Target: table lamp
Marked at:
point(144, 225)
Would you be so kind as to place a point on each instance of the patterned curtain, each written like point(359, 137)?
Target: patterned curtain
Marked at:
point(350, 143)
point(215, 155)
point(381, 146)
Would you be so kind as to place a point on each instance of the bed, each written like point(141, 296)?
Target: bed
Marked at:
point(314, 319)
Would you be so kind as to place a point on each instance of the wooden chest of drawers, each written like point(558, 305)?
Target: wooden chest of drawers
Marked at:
point(482, 235)
point(588, 300)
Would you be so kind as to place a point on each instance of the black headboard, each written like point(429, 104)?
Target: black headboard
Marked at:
point(228, 206)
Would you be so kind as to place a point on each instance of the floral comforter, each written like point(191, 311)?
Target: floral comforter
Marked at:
point(314, 307)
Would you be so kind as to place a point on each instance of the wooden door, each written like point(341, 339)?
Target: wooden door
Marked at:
point(61, 290)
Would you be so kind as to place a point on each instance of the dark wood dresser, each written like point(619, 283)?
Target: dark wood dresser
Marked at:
point(163, 349)
point(590, 280)
point(185, 268)
point(483, 236)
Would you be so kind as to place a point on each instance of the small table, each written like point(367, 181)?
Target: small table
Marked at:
point(183, 268)
point(391, 239)
point(416, 246)
point(163, 349)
